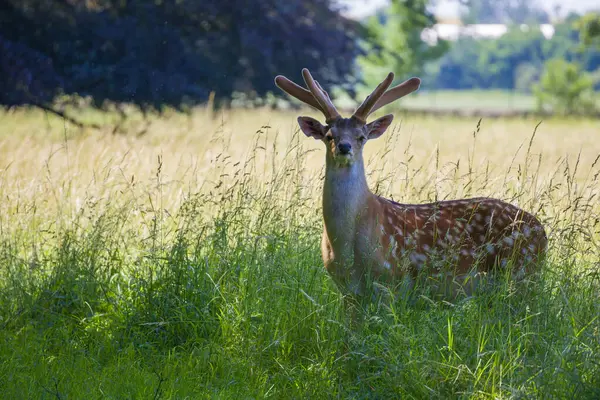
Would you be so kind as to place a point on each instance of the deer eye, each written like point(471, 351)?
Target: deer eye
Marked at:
point(329, 138)
point(362, 138)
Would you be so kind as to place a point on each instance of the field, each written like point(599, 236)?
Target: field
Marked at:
point(471, 102)
point(486, 100)
point(181, 259)
point(482, 100)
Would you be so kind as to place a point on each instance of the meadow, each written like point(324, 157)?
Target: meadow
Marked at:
point(481, 100)
point(179, 258)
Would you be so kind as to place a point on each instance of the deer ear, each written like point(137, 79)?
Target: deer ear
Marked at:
point(377, 127)
point(311, 127)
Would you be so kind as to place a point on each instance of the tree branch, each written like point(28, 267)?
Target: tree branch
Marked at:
point(64, 116)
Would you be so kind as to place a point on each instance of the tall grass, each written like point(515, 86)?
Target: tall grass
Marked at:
point(185, 263)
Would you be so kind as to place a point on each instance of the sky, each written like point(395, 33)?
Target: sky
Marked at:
point(448, 8)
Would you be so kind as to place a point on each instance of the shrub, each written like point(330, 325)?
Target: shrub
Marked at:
point(565, 88)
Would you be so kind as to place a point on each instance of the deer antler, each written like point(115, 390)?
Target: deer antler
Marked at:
point(318, 98)
point(380, 97)
point(363, 111)
point(398, 91)
point(321, 96)
point(315, 97)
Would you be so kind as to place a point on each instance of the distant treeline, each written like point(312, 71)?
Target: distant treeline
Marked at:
point(513, 61)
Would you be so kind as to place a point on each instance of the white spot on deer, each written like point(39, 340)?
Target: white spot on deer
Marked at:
point(478, 217)
point(531, 248)
point(454, 239)
point(390, 220)
point(393, 246)
point(509, 241)
point(426, 248)
point(387, 265)
point(526, 231)
point(470, 228)
point(489, 248)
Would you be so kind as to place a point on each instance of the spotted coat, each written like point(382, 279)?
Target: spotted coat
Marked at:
point(455, 240)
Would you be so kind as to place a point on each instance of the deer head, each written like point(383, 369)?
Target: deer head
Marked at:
point(345, 138)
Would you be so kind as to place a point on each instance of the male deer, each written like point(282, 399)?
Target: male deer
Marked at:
point(370, 239)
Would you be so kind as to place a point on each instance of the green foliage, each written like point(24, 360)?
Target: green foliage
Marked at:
point(526, 75)
point(565, 88)
point(490, 63)
point(396, 34)
point(504, 12)
point(512, 61)
point(589, 28)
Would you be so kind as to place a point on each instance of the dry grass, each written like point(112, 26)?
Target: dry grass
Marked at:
point(35, 147)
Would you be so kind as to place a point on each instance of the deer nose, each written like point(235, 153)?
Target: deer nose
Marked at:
point(344, 147)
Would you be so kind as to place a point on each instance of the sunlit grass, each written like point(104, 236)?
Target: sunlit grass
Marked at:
point(182, 259)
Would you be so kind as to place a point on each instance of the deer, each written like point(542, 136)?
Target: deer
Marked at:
point(370, 242)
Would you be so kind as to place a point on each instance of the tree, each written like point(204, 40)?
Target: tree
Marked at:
point(397, 42)
point(504, 12)
point(170, 52)
point(589, 29)
point(565, 88)
point(491, 63)
point(513, 60)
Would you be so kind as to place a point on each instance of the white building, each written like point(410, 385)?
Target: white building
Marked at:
point(479, 31)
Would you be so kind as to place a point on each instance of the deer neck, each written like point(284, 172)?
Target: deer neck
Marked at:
point(345, 197)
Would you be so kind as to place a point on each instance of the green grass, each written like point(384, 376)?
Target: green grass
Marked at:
point(465, 100)
point(493, 100)
point(481, 100)
point(209, 284)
